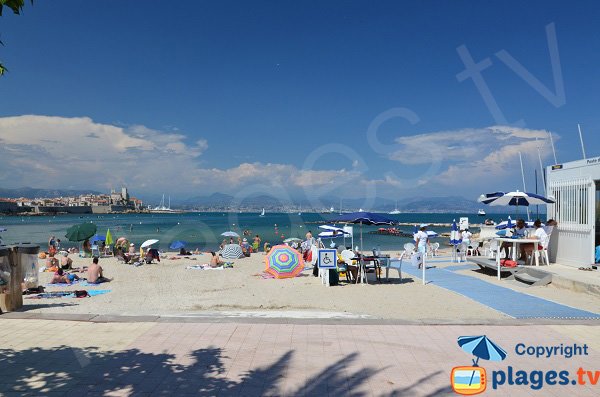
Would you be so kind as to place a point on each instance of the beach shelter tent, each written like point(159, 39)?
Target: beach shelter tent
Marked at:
point(81, 232)
point(232, 251)
point(284, 262)
point(363, 218)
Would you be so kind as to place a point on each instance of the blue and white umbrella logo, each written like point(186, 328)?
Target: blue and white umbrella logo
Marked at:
point(481, 347)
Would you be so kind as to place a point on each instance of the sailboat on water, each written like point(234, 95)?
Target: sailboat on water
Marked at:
point(262, 214)
point(162, 208)
point(396, 211)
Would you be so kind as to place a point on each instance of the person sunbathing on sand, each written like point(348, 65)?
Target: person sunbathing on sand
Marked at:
point(215, 261)
point(61, 277)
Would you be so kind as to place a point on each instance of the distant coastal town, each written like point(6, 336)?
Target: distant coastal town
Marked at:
point(115, 202)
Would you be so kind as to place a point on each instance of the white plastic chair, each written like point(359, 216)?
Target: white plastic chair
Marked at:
point(95, 251)
point(543, 254)
point(462, 252)
point(486, 248)
point(434, 249)
point(394, 263)
point(409, 248)
point(473, 248)
point(493, 249)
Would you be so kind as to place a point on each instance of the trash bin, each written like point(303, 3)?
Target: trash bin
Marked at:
point(28, 258)
point(5, 278)
point(19, 269)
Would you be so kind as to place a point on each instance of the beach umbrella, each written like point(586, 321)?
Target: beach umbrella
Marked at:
point(364, 218)
point(515, 199)
point(81, 232)
point(230, 234)
point(148, 243)
point(96, 238)
point(284, 262)
point(505, 224)
point(332, 234)
point(177, 244)
point(332, 228)
point(109, 239)
point(455, 236)
point(431, 233)
point(232, 251)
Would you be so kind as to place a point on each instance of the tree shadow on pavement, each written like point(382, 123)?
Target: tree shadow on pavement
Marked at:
point(89, 371)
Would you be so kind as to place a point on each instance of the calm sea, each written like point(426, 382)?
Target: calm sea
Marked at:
point(203, 230)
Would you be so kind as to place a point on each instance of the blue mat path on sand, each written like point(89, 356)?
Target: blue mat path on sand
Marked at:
point(505, 300)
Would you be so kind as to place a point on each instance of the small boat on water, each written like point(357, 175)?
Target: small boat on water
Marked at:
point(396, 211)
point(262, 214)
point(481, 212)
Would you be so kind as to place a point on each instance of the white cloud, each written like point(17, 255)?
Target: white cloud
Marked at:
point(57, 151)
point(466, 154)
point(47, 151)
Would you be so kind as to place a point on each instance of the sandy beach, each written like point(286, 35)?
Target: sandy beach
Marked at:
point(168, 288)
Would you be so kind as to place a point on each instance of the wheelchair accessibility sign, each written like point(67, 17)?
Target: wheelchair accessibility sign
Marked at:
point(327, 259)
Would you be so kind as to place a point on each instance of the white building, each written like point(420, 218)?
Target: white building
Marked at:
point(576, 188)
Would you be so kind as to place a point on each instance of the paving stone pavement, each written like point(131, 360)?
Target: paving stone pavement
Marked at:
point(64, 358)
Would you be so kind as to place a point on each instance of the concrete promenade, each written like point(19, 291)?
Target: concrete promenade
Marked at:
point(137, 357)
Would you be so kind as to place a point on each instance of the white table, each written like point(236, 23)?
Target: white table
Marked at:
point(515, 242)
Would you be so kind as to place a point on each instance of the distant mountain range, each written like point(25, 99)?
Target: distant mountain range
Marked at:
point(222, 201)
point(411, 204)
point(31, 192)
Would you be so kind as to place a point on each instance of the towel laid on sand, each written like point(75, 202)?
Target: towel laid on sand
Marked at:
point(206, 266)
point(81, 282)
point(65, 294)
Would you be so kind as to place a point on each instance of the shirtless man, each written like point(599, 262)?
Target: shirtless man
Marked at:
point(215, 261)
point(94, 274)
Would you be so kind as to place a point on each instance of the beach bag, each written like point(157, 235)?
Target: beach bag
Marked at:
point(81, 294)
point(508, 263)
point(334, 277)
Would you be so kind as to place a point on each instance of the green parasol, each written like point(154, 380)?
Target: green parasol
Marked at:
point(109, 239)
point(81, 232)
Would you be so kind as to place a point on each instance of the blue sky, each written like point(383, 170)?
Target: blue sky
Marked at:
point(279, 96)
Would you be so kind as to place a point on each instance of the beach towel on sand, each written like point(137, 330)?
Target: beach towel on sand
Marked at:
point(80, 282)
point(65, 294)
point(206, 266)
